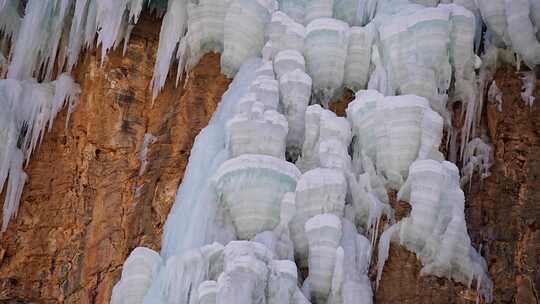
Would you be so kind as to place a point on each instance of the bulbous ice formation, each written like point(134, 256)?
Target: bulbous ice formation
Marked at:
point(283, 34)
point(288, 61)
point(244, 27)
point(324, 235)
point(257, 132)
point(318, 191)
point(315, 9)
point(251, 188)
point(414, 48)
point(357, 65)
point(295, 93)
point(436, 229)
point(394, 131)
point(326, 143)
point(325, 50)
point(140, 268)
point(205, 28)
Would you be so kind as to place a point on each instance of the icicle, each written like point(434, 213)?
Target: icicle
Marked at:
point(173, 28)
point(528, 88)
point(495, 95)
point(148, 140)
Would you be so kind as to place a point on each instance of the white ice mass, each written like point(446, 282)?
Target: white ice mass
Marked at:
point(278, 186)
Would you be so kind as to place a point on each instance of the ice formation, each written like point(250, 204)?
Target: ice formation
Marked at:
point(478, 158)
point(283, 34)
point(257, 132)
point(325, 49)
point(139, 270)
point(529, 85)
point(435, 229)
point(251, 188)
point(28, 111)
point(393, 132)
point(244, 27)
point(147, 141)
point(416, 58)
point(295, 94)
point(327, 139)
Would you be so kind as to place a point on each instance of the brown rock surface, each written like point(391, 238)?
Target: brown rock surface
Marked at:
point(85, 207)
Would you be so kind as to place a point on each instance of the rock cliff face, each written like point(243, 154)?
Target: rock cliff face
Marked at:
point(87, 203)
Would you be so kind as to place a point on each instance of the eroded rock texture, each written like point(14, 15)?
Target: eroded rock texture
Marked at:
point(86, 205)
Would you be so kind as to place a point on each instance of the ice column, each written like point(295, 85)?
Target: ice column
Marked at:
point(139, 269)
point(318, 191)
point(324, 234)
point(325, 51)
point(295, 92)
point(244, 28)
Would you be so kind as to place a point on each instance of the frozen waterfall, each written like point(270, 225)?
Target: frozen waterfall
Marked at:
point(282, 199)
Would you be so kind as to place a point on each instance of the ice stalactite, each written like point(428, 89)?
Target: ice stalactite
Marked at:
point(436, 230)
point(10, 21)
point(28, 111)
point(149, 139)
point(173, 28)
point(528, 88)
point(479, 158)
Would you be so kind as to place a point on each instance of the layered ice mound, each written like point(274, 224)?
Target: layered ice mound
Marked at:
point(325, 49)
point(138, 272)
point(257, 132)
point(295, 94)
point(393, 132)
point(326, 141)
point(318, 191)
point(251, 187)
point(436, 230)
point(244, 28)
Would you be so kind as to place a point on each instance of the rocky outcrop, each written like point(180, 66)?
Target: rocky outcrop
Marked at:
point(87, 202)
